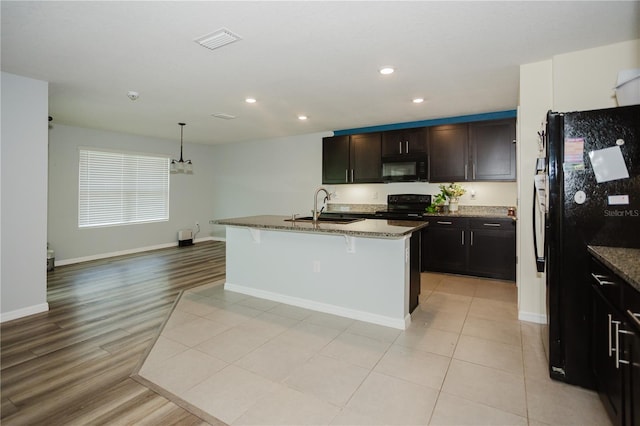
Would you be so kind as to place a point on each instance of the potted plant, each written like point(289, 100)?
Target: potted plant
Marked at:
point(437, 203)
point(452, 192)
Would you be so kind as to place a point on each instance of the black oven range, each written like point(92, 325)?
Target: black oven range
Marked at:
point(405, 207)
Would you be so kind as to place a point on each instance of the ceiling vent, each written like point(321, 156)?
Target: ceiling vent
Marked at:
point(217, 39)
point(223, 116)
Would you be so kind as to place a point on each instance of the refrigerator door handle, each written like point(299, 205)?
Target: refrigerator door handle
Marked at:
point(540, 261)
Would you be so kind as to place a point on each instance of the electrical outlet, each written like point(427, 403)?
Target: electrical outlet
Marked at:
point(316, 266)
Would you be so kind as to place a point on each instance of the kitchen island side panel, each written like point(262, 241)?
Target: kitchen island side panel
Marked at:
point(361, 278)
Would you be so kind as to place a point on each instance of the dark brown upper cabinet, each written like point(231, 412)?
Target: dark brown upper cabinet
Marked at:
point(493, 150)
point(478, 151)
point(448, 153)
point(352, 159)
point(405, 141)
point(335, 159)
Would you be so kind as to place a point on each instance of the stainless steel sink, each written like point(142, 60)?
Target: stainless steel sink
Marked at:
point(326, 219)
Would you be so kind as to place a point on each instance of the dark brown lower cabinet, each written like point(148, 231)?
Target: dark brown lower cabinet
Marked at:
point(443, 247)
point(484, 247)
point(608, 376)
point(615, 351)
point(492, 248)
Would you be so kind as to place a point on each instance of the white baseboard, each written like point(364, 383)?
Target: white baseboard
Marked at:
point(401, 324)
point(532, 317)
point(123, 252)
point(24, 312)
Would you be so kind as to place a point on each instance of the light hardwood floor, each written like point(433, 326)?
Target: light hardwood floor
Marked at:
point(72, 364)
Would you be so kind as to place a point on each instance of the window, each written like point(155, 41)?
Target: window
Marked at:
point(119, 188)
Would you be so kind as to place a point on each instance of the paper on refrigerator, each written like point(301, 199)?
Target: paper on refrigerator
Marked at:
point(608, 164)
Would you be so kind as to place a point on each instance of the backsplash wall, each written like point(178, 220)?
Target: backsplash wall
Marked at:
point(486, 193)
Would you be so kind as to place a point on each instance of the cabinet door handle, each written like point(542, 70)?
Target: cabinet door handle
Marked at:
point(617, 348)
point(346, 175)
point(465, 171)
point(635, 317)
point(400, 147)
point(617, 337)
point(462, 232)
point(491, 224)
point(471, 242)
point(601, 279)
point(473, 171)
point(406, 145)
point(609, 330)
point(618, 359)
point(351, 175)
point(442, 222)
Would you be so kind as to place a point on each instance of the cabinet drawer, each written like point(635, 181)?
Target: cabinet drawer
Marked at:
point(447, 222)
point(492, 223)
point(609, 285)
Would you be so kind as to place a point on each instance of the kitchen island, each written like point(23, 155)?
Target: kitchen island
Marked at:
point(361, 270)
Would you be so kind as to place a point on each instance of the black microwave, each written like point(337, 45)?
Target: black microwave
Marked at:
point(405, 168)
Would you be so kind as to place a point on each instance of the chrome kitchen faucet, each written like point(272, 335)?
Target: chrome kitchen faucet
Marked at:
point(315, 202)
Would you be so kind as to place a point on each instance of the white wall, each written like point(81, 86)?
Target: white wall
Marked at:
point(190, 195)
point(277, 176)
point(536, 98)
point(574, 81)
point(23, 282)
point(585, 79)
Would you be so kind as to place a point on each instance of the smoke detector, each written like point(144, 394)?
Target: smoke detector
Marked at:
point(217, 39)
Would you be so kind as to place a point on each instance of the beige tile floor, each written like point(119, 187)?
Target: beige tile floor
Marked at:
point(465, 360)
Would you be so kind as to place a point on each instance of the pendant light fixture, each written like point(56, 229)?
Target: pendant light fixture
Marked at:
point(181, 166)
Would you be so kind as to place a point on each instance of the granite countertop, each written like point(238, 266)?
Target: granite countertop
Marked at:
point(623, 261)
point(367, 228)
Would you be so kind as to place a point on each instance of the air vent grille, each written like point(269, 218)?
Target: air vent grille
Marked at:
point(217, 39)
point(223, 116)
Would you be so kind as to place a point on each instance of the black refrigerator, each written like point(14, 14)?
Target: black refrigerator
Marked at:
point(592, 172)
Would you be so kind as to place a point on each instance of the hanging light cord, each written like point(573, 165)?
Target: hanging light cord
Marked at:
point(181, 132)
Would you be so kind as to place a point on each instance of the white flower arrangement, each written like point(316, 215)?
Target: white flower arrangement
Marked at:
point(453, 190)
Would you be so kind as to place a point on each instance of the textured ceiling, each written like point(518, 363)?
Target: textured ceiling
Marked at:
point(314, 58)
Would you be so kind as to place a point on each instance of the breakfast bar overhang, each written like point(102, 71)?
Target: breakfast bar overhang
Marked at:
point(359, 270)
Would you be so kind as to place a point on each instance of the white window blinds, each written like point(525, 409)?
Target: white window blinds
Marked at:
point(119, 188)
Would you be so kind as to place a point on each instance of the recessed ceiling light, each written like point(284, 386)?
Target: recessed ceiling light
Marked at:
point(302, 117)
point(418, 100)
point(386, 70)
point(250, 100)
